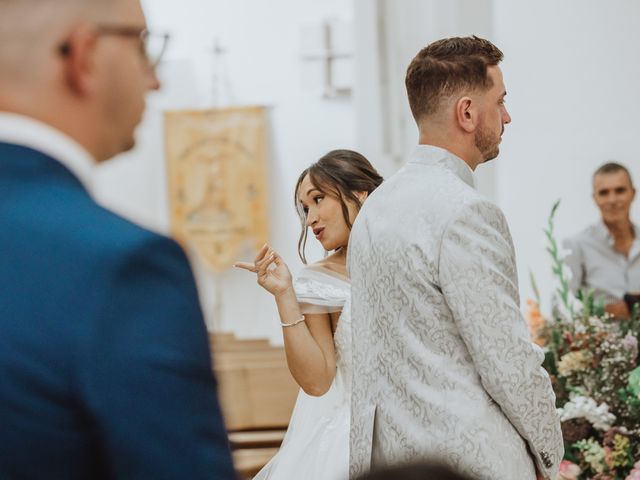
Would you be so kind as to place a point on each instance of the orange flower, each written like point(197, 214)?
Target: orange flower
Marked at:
point(536, 323)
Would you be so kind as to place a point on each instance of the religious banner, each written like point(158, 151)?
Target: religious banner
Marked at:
point(217, 174)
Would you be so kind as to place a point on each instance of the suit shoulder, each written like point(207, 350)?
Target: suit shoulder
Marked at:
point(478, 202)
point(125, 237)
point(480, 215)
point(94, 231)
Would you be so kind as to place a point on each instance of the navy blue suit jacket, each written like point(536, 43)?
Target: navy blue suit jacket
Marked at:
point(104, 360)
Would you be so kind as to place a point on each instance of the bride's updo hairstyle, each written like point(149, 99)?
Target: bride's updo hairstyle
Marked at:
point(339, 174)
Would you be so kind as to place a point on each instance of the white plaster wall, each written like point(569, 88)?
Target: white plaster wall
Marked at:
point(264, 67)
point(571, 71)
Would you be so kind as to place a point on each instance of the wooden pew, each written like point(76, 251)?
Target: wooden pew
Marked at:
point(257, 395)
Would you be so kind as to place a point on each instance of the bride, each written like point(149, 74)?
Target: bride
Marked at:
point(315, 318)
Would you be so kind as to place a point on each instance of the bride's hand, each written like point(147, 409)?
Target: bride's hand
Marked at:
point(276, 280)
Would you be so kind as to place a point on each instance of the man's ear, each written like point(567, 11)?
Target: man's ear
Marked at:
point(466, 114)
point(79, 60)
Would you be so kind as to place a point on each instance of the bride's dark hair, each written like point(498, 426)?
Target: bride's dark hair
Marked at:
point(339, 174)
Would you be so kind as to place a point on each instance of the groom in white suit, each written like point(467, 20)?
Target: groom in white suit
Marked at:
point(443, 364)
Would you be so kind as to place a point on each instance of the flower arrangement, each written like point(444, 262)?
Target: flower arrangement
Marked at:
point(592, 359)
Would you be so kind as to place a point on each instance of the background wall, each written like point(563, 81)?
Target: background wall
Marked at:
point(571, 69)
point(263, 65)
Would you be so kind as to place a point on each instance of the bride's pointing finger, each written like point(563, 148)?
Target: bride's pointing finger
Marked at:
point(245, 266)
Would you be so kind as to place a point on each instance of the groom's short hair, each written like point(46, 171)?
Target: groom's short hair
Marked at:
point(447, 67)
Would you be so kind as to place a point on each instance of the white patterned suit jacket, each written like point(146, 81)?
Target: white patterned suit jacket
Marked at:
point(443, 366)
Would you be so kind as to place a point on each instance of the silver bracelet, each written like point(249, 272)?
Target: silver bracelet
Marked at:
point(300, 320)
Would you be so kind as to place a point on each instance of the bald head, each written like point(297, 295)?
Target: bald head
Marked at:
point(27, 15)
point(29, 29)
point(79, 66)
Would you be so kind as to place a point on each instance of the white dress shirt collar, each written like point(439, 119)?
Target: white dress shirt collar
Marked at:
point(430, 155)
point(603, 230)
point(28, 132)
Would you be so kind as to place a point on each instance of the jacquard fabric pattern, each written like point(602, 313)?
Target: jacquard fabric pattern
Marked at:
point(442, 363)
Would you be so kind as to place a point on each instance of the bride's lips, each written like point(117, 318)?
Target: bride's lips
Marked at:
point(318, 232)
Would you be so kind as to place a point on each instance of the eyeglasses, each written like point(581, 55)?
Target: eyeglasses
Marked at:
point(152, 45)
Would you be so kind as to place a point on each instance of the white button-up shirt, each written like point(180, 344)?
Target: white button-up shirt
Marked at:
point(596, 265)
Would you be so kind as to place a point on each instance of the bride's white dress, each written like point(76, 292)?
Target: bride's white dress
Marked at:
point(316, 445)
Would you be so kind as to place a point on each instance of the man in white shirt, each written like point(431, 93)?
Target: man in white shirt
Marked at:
point(605, 257)
point(104, 356)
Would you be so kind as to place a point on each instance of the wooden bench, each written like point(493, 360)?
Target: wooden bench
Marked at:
point(257, 395)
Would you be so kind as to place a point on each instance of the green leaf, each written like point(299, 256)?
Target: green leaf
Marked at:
point(534, 287)
point(634, 381)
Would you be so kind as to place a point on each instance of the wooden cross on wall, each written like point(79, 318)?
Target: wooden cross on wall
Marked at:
point(328, 56)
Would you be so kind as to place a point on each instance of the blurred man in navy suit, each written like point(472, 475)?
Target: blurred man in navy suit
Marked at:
point(104, 359)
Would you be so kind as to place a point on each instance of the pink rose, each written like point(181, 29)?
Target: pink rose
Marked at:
point(568, 471)
point(635, 473)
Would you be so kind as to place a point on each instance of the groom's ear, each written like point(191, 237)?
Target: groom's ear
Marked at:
point(466, 114)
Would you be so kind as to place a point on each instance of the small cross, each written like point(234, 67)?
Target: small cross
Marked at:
point(220, 78)
point(328, 56)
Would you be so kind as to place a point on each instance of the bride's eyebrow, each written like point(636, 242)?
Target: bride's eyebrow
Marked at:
point(314, 189)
